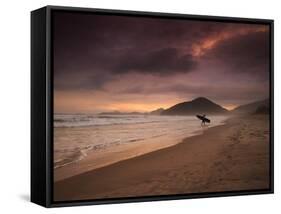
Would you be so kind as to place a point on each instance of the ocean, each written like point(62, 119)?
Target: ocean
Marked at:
point(117, 137)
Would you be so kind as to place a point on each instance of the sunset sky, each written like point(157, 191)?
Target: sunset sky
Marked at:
point(107, 63)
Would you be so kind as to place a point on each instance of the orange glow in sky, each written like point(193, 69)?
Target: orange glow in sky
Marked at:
point(208, 43)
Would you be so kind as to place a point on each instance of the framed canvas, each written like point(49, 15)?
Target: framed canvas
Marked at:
point(138, 106)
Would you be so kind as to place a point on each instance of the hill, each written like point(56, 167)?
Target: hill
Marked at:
point(199, 105)
point(252, 107)
point(157, 111)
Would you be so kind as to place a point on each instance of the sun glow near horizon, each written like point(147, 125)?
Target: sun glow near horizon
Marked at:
point(87, 103)
point(76, 102)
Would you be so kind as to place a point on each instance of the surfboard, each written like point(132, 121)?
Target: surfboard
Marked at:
point(204, 119)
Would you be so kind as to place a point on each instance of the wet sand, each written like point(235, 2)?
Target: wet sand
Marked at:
point(230, 157)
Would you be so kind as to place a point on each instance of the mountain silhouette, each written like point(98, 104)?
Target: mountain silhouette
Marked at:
point(251, 107)
point(157, 111)
point(200, 105)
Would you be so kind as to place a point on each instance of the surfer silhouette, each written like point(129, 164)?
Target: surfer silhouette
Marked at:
point(203, 119)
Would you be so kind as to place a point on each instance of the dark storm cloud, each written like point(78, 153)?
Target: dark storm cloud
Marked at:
point(80, 81)
point(91, 49)
point(161, 62)
point(247, 53)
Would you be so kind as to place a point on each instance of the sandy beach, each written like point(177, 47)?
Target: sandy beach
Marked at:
point(234, 156)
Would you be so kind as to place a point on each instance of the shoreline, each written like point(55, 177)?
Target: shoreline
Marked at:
point(200, 163)
point(103, 159)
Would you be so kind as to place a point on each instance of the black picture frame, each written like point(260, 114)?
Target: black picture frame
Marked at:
point(42, 106)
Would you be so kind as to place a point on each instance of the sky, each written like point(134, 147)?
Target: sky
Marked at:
point(124, 63)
